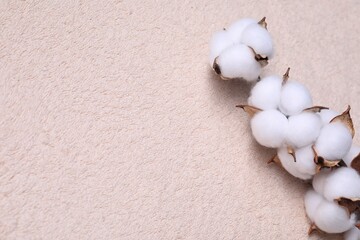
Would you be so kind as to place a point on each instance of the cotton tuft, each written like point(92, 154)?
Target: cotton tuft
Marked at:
point(303, 129)
point(295, 97)
point(238, 61)
point(269, 128)
point(237, 28)
point(219, 42)
point(288, 163)
point(334, 141)
point(259, 39)
point(312, 201)
point(327, 115)
point(352, 234)
point(266, 93)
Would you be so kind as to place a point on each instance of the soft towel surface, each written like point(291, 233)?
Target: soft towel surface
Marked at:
point(112, 125)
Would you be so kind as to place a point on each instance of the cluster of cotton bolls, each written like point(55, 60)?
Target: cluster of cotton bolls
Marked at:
point(312, 142)
point(241, 50)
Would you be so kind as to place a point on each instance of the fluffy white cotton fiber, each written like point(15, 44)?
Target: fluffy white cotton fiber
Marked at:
point(219, 42)
point(334, 141)
point(269, 128)
point(237, 28)
point(295, 97)
point(266, 93)
point(238, 61)
point(342, 182)
point(319, 180)
point(327, 115)
point(303, 130)
point(332, 218)
point(312, 201)
point(352, 234)
point(305, 160)
point(259, 39)
point(289, 164)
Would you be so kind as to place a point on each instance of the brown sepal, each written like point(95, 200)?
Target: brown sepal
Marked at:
point(275, 159)
point(355, 164)
point(345, 118)
point(315, 109)
point(314, 228)
point(351, 204)
point(323, 163)
point(286, 76)
point(291, 151)
point(263, 23)
point(249, 109)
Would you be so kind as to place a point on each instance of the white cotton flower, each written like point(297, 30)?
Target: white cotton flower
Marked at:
point(219, 42)
point(353, 153)
point(236, 29)
point(266, 93)
point(269, 128)
point(288, 163)
point(334, 141)
point(312, 201)
point(238, 61)
point(295, 97)
point(327, 115)
point(259, 39)
point(303, 130)
point(342, 182)
point(332, 218)
point(352, 234)
point(305, 160)
point(319, 180)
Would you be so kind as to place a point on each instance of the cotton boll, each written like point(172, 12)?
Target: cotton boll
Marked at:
point(332, 218)
point(342, 182)
point(353, 153)
point(327, 115)
point(319, 180)
point(303, 129)
point(334, 141)
point(266, 93)
point(269, 128)
point(312, 201)
point(352, 234)
point(237, 28)
point(305, 160)
point(295, 97)
point(288, 163)
point(239, 61)
point(259, 39)
point(219, 42)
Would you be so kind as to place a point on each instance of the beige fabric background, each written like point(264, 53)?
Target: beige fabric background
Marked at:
point(113, 126)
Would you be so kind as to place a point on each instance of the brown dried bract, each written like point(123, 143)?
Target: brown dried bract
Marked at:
point(249, 109)
point(314, 228)
point(275, 159)
point(345, 118)
point(351, 204)
point(355, 164)
point(263, 23)
point(286, 76)
point(291, 151)
point(315, 109)
point(323, 163)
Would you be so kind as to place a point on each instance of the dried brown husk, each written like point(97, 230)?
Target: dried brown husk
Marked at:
point(286, 76)
point(352, 205)
point(275, 159)
point(315, 109)
point(355, 164)
point(314, 228)
point(324, 163)
point(263, 23)
point(291, 151)
point(249, 109)
point(345, 118)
